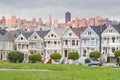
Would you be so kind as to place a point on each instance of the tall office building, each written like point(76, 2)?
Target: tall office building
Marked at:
point(67, 17)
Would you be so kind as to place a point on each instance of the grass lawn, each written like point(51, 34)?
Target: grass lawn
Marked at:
point(58, 72)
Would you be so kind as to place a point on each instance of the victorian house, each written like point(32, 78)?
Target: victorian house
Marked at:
point(110, 41)
point(31, 43)
point(53, 41)
point(71, 40)
point(6, 43)
point(91, 40)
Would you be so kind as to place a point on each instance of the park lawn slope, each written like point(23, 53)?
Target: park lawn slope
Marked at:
point(58, 72)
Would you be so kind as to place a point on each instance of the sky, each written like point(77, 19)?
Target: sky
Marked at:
point(29, 9)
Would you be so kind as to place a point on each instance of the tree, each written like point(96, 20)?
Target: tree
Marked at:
point(55, 56)
point(117, 55)
point(35, 58)
point(15, 56)
point(95, 54)
point(73, 55)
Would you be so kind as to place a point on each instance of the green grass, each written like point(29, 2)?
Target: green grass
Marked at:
point(58, 72)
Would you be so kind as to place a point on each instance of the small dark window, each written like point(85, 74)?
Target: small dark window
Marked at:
point(70, 34)
point(89, 32)
point(52, 35)
point(73, 42)
point(35, 37)
point(113, 39)
point(21, 38)
point(66, 42)
point(48, 42)
point(55, 42)
point(77, 42)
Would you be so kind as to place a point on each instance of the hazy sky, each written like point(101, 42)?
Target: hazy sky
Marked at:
point(57, 8)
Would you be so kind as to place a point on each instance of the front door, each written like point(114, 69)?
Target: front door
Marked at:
point(65, 53)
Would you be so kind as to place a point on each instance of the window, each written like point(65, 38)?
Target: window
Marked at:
point(55, 43)
point(52, 35)
point(113, 50)
point(66, 42)
point(48, 42)
point(21, 38)
point(58, 42)
point(113, 39)
point(77, 42)
point(70, 34)
point(73, 42)
point(117, 38)
point(110, 30)
point(89, 32)
point(35, 37)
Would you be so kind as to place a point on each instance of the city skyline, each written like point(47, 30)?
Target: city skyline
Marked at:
point(42, 8)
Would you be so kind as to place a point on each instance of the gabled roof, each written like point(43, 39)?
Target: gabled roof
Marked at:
point(42, 33)
point(99, 29)
point(117, 27)
point(6, 37)
point(60, 31)
point(27, 34)
point(78, 31)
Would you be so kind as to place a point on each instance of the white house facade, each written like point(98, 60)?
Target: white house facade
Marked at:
point(89, 42)
point(53, 42)
point(110, 41)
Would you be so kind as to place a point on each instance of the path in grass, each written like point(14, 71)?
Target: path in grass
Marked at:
point(4, 69)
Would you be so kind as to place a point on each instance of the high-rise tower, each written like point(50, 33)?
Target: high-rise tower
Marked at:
point(67, 17)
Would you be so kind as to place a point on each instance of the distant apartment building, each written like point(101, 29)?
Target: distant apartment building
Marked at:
point(67, 17)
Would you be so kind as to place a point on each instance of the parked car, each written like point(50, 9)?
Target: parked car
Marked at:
point(93, 62)
point(118, 64)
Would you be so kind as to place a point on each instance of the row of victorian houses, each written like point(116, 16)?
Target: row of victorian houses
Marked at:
point(63, 40)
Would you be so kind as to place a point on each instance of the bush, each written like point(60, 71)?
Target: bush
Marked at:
point(35, 58)
point(117, 53)
point(55, 56)
point(15, 56)
point(117, 60)
point(95, 54)
point(108, 59)
point(73, 55)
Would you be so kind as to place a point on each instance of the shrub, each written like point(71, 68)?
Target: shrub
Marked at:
point(117, 53)
point(73, 55)
point(108, 59)
point(95, 54)
point(55, 56)
point(35, 58)
point(15, 56)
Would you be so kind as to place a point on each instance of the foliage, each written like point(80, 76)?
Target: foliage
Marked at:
point(117, 53)
point(73, 55)
point(95, 54)
point(55, 56)
point(15, 56)
point(108, 59)
point(35, 58)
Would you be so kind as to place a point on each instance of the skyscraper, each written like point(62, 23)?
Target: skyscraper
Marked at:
point(67, 17)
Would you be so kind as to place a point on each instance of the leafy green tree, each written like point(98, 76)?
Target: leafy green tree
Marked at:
point(15, 56)
point(55, 56)
point(117, 55)
point(35, 58)
point(95, 54)
point(73, 55)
